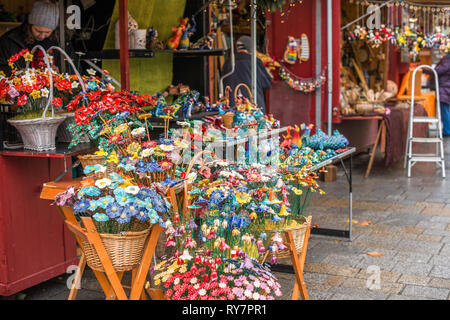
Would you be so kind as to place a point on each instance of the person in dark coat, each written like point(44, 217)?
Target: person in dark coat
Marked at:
point(43, 19)
point(443, 72)
point(243, 73)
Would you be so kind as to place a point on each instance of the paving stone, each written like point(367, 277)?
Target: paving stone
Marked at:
point(319, 295)
point(414, 279)
point(343, 271)
point(444, 212)
point(413, 268)
point(315, 277)
point(443, 233)
point(348, 260)
point(394, 235)
point(418, 246)
point(402, 297)
point(341, 293)
point(442, 260)
point(421, 291)
point(439, 283)
point(413, 257)
point(441, 272)
point(412, 230)
point(354, 283)
point(385, 276)
point(333, 280)
point(443, 220)
point(429, 237)
point(431, 225)
point(445, 249)
point(317, 267)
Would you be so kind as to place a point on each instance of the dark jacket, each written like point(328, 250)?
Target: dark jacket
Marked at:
point(243, 74)
point(443, 71)
point(13, 42)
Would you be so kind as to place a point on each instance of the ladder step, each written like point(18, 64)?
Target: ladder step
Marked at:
point(429, 140)
point(425, 120)
point(426, 159)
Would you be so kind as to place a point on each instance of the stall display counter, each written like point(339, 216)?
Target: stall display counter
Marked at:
point(35, 244)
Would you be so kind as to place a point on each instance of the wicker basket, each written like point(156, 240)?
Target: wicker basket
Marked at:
point(92, 160)
point(125, 250)
point(38, 134)
point(298, 234)
point(63, 134)
point(227, 120)
point(236, 90)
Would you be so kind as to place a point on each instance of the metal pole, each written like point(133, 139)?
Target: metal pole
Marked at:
point(253, 12)
point(62, 35)
point(330, 61)
point(318, 62)
point(230, 11)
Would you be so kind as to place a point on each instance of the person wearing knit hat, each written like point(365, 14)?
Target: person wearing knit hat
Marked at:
point(243, 72)
point(43, 20)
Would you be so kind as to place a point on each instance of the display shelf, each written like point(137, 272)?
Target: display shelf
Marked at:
point(61, 151)
point(146, 53)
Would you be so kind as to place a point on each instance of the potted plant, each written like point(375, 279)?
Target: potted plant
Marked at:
point(34, 91)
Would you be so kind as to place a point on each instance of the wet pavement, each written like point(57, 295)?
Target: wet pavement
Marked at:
point(403, 222)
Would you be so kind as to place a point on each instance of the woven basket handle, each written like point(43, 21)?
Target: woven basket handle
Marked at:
point(47, 62)
point(69, 60)
point(236, 91)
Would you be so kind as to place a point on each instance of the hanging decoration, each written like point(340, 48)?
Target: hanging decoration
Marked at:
point(305, 85)
point(292, 51)
point(424, 26)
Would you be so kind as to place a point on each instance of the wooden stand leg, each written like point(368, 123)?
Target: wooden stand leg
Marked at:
point(142, 271)
point(77, 278)
point(374, 151)
point(298, 269)
point(113, 278)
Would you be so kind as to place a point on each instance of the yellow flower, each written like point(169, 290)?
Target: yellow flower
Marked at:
point(121, 128)
point(113, 157)
point(35, 94)
point(321, 191)
point(28, 57)
point(242, 197)
point(16, 81)
point(2, 73)
point(297, 191)
point(157, 282)
point(101, 152)
point(134, 148)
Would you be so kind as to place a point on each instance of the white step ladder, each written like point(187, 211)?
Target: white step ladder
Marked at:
point(437, 157)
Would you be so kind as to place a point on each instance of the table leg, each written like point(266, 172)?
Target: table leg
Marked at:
point(374, 151)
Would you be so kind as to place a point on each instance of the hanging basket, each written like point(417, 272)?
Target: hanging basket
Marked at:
point(125, 249)
point(38, 134)
point(63, 134)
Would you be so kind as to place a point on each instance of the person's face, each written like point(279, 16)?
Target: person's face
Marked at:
point(40, 32)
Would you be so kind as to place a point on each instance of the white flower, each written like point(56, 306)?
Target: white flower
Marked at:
point(216, 222)
point(192, 176)
point(225, 174)
point(186, 255)
point(101, 169)
point(224, 224)
point(44, 92)
point(193, 280)
point(176, 281)
point(166, 147)
point(132, 190)
point(248, 293)
point(222, 163)
point(256, 284)
point(202, 292)
point(196, 286)
point(256, 296)
point(222, 285)
point(147, 152)
point(138, 132)
point(75, 84)
point(91, 71)
point(102, 183)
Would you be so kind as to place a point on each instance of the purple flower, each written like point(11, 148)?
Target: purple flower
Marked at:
point(273, 260)
point(263, 285)
point(270, 298)
point(238, 291)
point(238, 282)
point(230, 278)
point(250, 287)
point(278, 293)
point(13, 92)
point(262, 297)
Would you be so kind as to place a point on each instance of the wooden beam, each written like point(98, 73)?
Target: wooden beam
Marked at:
point(124, 56)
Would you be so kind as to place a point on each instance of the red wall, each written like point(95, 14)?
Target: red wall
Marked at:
point(288, 105)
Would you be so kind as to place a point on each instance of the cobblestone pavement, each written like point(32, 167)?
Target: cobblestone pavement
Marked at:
point(406, 220)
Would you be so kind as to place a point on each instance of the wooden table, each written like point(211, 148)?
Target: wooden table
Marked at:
point(109, 280)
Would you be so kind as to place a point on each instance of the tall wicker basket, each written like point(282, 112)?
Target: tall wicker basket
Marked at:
point(92, 160)
point(125, 249)
point(298, 234)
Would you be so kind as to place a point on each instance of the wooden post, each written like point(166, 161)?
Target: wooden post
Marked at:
point(124, 55)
